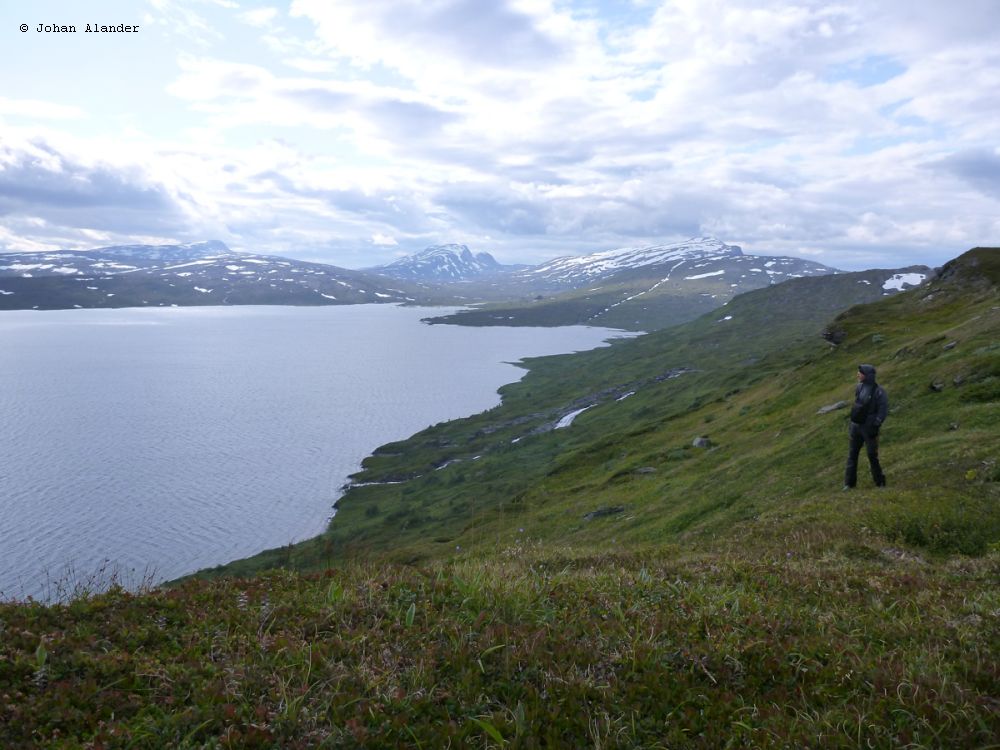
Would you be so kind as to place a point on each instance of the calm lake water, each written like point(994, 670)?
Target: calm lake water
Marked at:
point(155, 442)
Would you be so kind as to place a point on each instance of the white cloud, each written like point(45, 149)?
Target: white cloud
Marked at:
point(39, 110)
point(384, 240)
point(260, 17)
point(861, 132)
point(179, 19)
point(418, 38)
point(311, 65)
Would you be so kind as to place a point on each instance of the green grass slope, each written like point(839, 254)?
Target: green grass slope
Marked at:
point(753, 384)
point(526, 648)
point(607, 584)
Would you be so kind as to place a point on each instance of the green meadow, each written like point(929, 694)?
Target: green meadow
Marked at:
point(497, 582)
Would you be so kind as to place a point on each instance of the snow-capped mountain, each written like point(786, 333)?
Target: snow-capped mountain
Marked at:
point(191, 251)
point(204, 273)
point(641, 288)
point(644, 287)
point(106, 261)
point(442, 263)
point(695, 259)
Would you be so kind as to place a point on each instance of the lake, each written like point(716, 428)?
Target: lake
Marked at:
point(150, 443)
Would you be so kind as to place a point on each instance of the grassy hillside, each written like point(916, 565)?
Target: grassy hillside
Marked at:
point(606, 584)
point(797, 643)
point(752, 384)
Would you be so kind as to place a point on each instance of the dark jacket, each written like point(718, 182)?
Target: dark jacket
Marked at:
point(871, 404)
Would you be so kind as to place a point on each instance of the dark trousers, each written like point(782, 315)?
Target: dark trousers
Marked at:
point(859, 437)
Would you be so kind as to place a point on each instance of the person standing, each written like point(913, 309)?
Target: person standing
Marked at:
point(871, 407)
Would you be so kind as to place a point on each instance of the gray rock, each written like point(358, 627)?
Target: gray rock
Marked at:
point(937, 386)
point(958, 380)
point(702, 442)
point(953, 426)
point(832, 407)
point(645, 470)
point(834, 335)
point(606, 511)
point(949, 345)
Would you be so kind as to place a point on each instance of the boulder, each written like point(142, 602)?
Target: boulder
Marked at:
point(834, 335)
point(702, 442)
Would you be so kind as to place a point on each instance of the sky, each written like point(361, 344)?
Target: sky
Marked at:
point(856, 133)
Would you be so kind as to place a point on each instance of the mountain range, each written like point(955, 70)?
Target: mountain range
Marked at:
point(204, 273)
point(647, 288)
point(636, 288)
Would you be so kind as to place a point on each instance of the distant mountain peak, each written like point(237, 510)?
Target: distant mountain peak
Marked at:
point(448, 247)
point(448, 262)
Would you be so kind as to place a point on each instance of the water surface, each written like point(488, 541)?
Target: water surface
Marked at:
point(155, 442)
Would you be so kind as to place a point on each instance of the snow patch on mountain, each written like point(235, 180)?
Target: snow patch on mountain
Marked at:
point(442, 263)
point(708, 253)
point(158, 275)
point(606, 262)
point(899, 280)
point(567, 419)
point(166, 252)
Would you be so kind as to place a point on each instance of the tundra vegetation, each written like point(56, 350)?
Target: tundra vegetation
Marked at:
point(495, 582)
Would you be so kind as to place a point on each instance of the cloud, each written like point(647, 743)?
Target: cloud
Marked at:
point(409, 118)
point(855, 132)
point(39, 110)
point(411, 36)
point(978, 167)
point(179, 19)
point(239, 94)
point(41, 182)
point(384, 240)
point(321, 99)
point(259, 17)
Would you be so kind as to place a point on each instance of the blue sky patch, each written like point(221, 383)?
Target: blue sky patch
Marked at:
point(868, 71)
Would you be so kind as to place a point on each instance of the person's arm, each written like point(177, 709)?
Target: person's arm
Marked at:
point(881, 407)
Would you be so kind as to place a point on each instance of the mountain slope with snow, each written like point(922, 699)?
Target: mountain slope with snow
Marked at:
point(204, 273)
point(442, 263)
point(702, 257)
point(639, 288)
point(648, 288)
